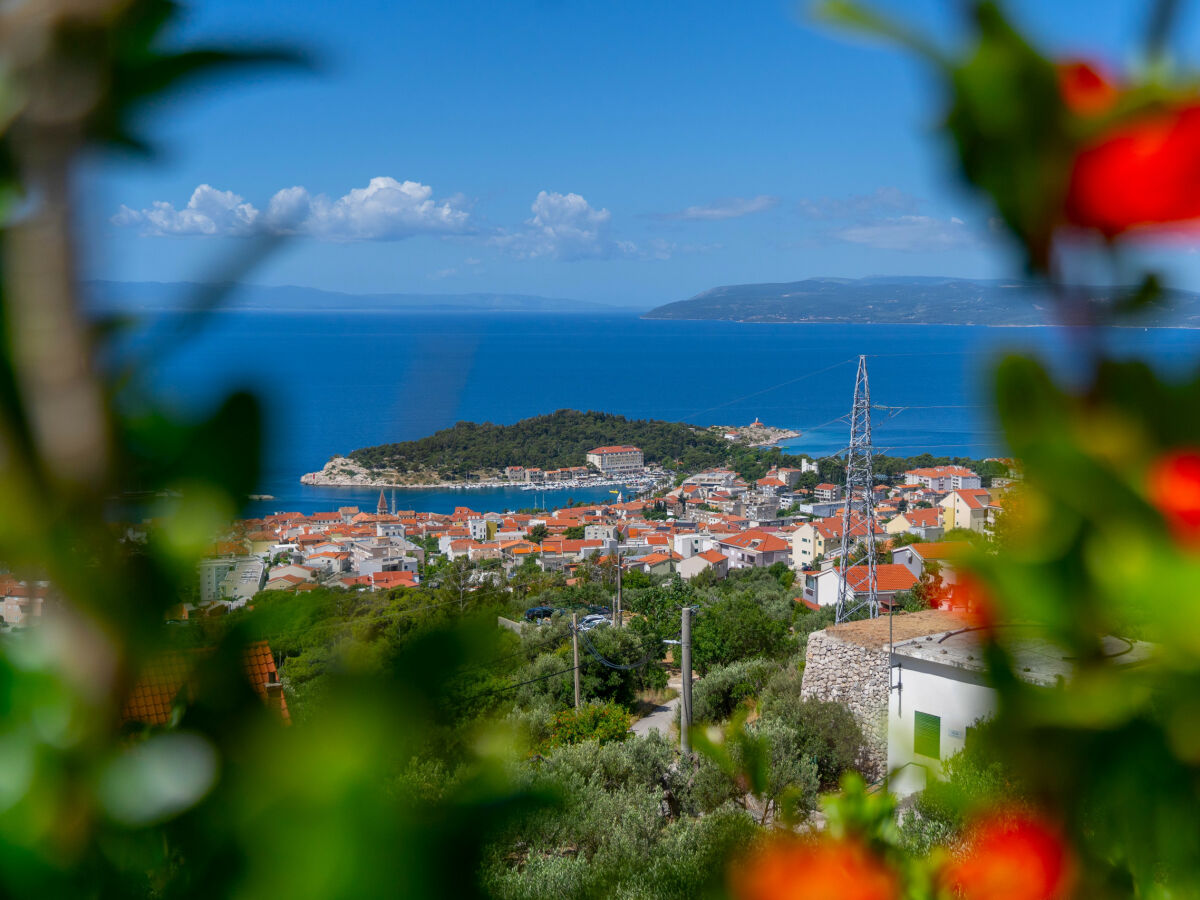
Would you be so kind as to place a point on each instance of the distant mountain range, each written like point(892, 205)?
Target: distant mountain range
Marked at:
point(911, 300)
point(154, 296)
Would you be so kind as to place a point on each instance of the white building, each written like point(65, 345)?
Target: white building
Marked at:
point(618, 460)
point(938, 693)
point(689, 545)
point(943, 478)
point(212, 574)
point(822, 588)
point(827, 492)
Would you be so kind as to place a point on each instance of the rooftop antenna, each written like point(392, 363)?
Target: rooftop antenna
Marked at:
point(860, 484)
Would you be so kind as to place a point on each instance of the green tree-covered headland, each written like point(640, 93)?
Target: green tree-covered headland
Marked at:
point(563, 438)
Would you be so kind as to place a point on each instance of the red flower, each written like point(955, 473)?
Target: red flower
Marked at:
point(1174, 488)
point(1084, 89)
point(1145, 172)
point(973, 597)
point(1012, 858)
point(824, 870)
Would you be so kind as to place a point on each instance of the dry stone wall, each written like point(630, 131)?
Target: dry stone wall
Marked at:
point(857, 677)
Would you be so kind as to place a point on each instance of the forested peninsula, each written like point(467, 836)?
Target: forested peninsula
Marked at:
point(471, 452)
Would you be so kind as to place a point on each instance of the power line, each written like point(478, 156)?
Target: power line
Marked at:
point(525, 649)
point(600, 658)
point(513, 687)
point(767, 390)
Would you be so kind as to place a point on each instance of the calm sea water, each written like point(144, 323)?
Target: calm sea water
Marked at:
point(331, 383)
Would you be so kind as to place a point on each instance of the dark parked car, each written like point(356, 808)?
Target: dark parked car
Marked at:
point(537, 613)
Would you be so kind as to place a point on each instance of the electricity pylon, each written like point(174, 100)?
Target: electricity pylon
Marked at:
point(860, 489)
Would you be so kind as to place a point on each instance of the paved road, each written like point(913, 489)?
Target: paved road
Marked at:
point(663, 717)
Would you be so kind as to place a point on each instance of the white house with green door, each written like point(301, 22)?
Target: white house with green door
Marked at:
point(939, 692)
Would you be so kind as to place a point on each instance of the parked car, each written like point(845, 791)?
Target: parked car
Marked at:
point(538, 613)
point(590, 622)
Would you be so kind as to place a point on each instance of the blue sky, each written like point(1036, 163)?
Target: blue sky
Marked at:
point(631, 153)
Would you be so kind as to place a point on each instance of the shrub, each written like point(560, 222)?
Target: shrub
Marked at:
point(717, 694)
point(828, 732)
point(735, 629)
point(601, 722)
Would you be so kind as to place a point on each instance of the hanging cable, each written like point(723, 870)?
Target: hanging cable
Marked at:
point(600, 658)
point(513, 687)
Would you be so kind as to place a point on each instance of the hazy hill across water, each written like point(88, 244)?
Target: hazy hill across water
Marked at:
point(912, 300)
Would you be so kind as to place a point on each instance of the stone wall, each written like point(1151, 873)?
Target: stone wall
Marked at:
point(857, 677)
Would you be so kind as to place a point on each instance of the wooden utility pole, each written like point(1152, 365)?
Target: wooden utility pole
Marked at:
point(575, 647)
point(685, 689)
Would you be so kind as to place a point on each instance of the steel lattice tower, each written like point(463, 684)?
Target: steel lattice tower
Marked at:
point(860, 484)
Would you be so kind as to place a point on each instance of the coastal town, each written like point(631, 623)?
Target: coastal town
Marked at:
point(898, 546)
point(713, 521)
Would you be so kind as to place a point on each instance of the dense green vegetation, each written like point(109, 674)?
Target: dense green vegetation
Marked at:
point(617, 815)
point(552, 441)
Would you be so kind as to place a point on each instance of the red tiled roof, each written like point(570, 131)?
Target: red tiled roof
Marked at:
point(624, 448)
point(888, 577)
point(653, 559)
point(757, 540)
point(924, 518)
point(975, 498)
point(167, 679)
point(712, 556)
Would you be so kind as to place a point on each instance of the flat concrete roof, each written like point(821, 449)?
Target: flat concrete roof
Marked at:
point(1036, 659)
point(873, 633)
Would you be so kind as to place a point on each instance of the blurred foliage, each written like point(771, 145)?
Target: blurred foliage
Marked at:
point(405, 769)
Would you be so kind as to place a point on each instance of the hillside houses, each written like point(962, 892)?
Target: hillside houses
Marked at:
point(816, 540)
point(715, 521)
point(822, 588)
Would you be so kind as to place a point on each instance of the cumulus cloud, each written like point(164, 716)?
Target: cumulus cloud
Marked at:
point(384, 210)
point(914, 233)
point(728, 208)
point(564, 227)
point(208, 212)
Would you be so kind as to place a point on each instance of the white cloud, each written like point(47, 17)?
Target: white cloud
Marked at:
point(728, 208)
point(919, 233)
point(208, 212)
point(384, 210)
point(564, 227)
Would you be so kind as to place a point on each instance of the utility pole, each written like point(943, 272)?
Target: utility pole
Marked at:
point(860, 485)
point(685, 692)
point(617, 605)
point(575, 647)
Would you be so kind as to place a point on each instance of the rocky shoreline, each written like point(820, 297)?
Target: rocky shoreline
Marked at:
point(342, 471)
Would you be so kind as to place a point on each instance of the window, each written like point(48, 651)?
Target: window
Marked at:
point(927, 735)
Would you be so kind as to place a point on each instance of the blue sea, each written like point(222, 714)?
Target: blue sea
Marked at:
point(331, 382)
